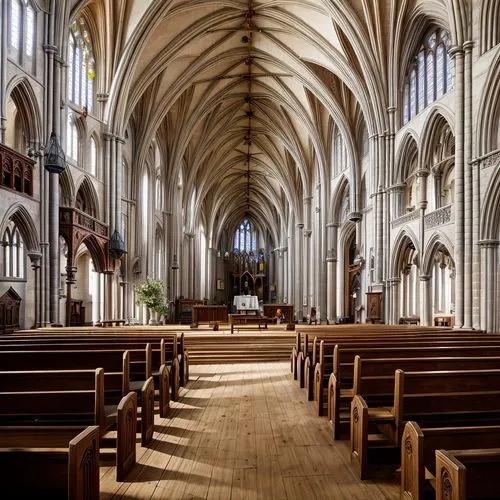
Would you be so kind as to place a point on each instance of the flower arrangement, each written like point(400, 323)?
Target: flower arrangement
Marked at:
point(152, 295)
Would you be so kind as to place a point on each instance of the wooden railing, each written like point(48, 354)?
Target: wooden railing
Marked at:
point(16, 171)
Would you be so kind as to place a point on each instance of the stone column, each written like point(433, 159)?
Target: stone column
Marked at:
point(436, 172)
point(3, 70)
point(108, 141)
point(380, 201)
point(70, 281)
point(476, 249)
point(468, 191)
point(108, 295)
point(394, 284)
point(458, 56)
point(425, 303)
point(299, 263)
point(35, 258)
point(490, 293)
point(306, 263)
point(331, 266)
point(190, 265)
point(119, 182)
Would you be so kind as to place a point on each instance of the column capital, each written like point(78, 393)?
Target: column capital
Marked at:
point(307, 233)
point(119, 139)
point(489, 243)
point(50, 49)
point(355, 216)
point(468, 45)
point(35, 258)
point(422, 172)
point(455, 50)
point(108, 136)
point(425, 277)
point(394, 281)
point(300, 225)
point(332, 224)
point(398, 188)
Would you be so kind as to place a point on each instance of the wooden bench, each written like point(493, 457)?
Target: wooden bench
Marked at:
point(248, 319)
point(62, 398)
point(173, 349)
point(50, 462)
point(467, 474)
point(418, 452)
point(309, 358)
point(340, 384)
point(144, 361)
point(116, 365)
point(433, 398)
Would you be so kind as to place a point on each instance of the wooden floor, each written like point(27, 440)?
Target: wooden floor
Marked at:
point(245, 431)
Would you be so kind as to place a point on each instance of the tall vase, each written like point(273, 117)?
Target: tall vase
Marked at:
point(153, 317)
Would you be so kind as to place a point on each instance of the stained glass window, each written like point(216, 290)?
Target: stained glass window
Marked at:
point(15, 23)
point(245, 238)
point(81, 65)
point(429, 76)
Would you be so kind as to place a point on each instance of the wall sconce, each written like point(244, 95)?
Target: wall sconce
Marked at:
point(33, 152)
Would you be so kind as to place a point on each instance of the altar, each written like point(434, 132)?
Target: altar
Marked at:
point(246, 304)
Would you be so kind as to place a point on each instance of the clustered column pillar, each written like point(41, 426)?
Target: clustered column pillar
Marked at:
point(299, 263)
point(468, 187)
point(3, 69)
point(458, 55)
point(425, 303)
point(331, 266)
point(489, 271)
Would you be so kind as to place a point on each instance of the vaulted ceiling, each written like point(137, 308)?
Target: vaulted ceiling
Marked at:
point(243, 96)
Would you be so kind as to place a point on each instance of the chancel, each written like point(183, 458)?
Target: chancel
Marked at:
point(313, 188)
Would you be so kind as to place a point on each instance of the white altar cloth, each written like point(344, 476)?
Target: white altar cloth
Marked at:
point(246, 302)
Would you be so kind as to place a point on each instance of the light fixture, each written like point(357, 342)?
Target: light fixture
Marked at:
point(117, 245)
point(54, 157)
point(33, 152)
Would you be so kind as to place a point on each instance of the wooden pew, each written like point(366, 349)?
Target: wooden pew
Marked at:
point(467, 474)
point(112, 361)
point(374, 379)
point(49, 398)
point(418, 452)
point(434, 398)
point(340, 384)
point(322, 350)
point(305, 335)
point(164, 350)
point(50, 462)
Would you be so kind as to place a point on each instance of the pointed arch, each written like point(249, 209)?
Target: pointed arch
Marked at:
point(67, 188)
point(404, 238)
point(407, 154)
point(436, 241)
point(488, 116)
point(89, 198)
point(490, 209)
point(19, 214)
point(337, 198)
point(96, 251)
point(26, 102)
point(438, 119)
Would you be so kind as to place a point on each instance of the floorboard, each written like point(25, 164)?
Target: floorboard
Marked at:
point(244, 431)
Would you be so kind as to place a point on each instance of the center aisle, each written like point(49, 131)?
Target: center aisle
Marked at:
point(244, 431)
